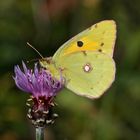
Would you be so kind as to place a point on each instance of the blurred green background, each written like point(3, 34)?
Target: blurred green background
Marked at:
point(47, 24)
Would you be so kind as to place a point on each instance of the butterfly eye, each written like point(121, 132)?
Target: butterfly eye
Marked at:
point(80, 43)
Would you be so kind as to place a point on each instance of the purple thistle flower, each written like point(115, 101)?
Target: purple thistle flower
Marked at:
point(43, 87)
point(39, 83)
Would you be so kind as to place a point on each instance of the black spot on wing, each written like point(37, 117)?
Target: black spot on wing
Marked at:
point(102, 44)
point(100, 50)
point(96, 25)
point(84, 52)
point(90, 28)
point(80, 43)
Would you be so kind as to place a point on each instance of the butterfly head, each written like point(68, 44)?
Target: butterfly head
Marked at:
point(49, 65)
point(45, 62)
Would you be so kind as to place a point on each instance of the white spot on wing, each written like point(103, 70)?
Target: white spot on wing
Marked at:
point(87, 67)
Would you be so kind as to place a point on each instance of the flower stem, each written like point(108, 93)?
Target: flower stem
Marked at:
point(39, 133)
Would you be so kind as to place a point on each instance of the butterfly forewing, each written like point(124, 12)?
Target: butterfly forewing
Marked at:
point(99, 37)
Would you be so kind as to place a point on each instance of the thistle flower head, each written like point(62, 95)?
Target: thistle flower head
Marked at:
point(37, 82)
point(43, 87)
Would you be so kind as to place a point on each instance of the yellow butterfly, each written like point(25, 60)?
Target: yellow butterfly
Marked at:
point(86, 60)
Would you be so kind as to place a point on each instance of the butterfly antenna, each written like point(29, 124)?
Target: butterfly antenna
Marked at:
point(35, 49)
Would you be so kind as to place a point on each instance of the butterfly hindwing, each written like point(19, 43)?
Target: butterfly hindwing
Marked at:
point(87, 73)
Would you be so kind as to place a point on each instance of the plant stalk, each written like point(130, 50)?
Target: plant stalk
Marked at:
point(39, 133)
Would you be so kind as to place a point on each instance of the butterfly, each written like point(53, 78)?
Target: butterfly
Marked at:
point(86, 60)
